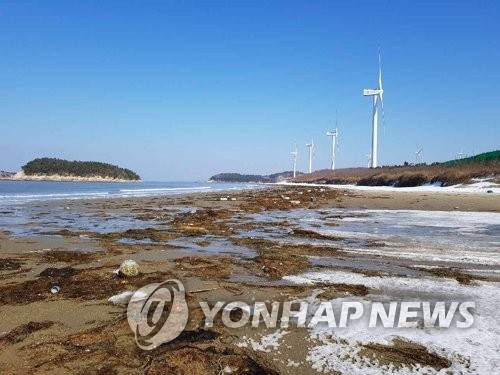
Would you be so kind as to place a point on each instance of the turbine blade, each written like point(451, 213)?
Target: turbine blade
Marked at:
point(379, 71)
point(381, 95)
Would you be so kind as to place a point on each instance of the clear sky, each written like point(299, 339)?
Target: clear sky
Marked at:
point(181, 90)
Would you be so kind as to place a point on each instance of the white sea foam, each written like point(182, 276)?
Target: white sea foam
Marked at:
point(165, 189)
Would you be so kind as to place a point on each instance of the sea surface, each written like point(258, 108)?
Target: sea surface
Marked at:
point(16, 192)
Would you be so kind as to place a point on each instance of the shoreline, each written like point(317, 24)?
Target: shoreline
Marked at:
point(351, 199)
point(20, 176)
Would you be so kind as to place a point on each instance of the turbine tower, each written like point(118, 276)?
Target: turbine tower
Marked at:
point(311, 149)
point(418, 155)
point(334, 136)
point(377, 97)
point(295, 154)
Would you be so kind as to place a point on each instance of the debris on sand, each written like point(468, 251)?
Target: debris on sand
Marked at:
point(128, 268)
point(313, 235)
point(59, 272)
point(197, 361)
point(20, 333)
point(333, 291)
point(121, 299)
point(403, 353)
point(9, 264)
point(275, 265)
point(67, 256)
point(207, 267)
point(55, 289)
point(451, 273)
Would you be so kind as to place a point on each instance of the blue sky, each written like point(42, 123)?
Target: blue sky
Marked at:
point(180, 90)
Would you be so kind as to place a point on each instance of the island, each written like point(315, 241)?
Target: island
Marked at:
point(53, 169)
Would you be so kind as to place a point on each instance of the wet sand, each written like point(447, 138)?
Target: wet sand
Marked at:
point(222, 246)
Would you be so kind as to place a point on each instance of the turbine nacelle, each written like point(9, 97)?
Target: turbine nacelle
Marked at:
point(372, 92)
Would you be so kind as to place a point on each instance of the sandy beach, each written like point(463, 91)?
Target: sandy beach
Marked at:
point(282, 243)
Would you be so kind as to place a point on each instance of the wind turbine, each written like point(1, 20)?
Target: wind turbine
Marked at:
point(418, 155)
point(369, 158)
point(377, 97)
point(295, 154)
point(311, 149)
point(335, 140)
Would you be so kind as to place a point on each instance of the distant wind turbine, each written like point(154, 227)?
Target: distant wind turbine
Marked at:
point(377, 97)
point(311, 150)
point(418, 155)
point(335, 140)
point(295, 154)
point(369, 158)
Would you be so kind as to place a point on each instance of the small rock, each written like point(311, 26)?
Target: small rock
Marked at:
point(295, 202)
point(128, 268)
point(285, 197)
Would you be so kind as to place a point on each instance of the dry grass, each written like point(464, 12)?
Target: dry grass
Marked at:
point(406, 176)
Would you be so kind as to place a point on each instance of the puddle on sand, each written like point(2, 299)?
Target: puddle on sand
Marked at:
point(434, 236)
point(217, 245)
point(365, 265)
point(26, 220)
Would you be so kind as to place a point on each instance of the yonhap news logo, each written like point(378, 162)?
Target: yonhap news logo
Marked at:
point(158, 313)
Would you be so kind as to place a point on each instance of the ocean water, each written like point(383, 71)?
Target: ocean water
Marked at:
point(15, 192)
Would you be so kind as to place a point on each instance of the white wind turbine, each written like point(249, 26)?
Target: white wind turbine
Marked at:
point(369, 159)
point(335, 140)
point(418, 156)
point(334, 136)
point(311, 150)
point(377, 97)
point(295, 154)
